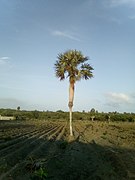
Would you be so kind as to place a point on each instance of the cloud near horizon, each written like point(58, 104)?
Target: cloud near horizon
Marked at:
point(65, 34)
point(117, 99)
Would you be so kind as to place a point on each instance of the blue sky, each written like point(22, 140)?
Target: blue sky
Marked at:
point(33, 32)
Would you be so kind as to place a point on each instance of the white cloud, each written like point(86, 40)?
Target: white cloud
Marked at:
point(4, 60)
point(117, 99)
point(65, 34)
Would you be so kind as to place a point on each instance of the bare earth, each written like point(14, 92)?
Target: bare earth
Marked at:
point(44, 150)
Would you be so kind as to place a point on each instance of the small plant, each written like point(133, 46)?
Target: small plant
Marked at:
point(41, 173)
point(33, 164)
point(35, 167)
point(30, 164)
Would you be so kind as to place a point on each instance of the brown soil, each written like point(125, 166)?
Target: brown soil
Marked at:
point(44, 150)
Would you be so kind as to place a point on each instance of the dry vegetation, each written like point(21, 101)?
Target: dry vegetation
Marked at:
point(43, 150)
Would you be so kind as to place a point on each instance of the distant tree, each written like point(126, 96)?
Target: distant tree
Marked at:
point(92, 110)
point(60, 111)
point(18, 108)
point(72, 64)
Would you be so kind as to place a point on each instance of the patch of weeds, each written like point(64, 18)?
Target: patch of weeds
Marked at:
point(33, 164)
point(36, 169)
point(41, 173)
point(29, 164)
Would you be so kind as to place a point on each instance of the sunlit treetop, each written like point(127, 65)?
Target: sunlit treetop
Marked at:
point(73, 64)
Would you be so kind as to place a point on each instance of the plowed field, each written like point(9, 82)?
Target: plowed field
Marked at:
point(44, 150)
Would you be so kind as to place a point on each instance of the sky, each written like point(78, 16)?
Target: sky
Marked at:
point(34, 32)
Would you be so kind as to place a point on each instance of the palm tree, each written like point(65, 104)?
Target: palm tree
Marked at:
point(72, 64)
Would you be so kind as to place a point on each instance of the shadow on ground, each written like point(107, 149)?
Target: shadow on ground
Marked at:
point(62, 160)
point(78, 161)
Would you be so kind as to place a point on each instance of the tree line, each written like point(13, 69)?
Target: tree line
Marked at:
point(61, 115)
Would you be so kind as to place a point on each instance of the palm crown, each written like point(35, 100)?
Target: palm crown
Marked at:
point(73, 64)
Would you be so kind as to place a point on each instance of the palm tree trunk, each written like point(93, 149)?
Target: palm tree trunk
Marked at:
point(70, 122)
point(70, 104)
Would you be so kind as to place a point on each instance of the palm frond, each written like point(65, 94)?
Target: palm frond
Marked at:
point(59, 70)
point(86, 71)
point(71, 64)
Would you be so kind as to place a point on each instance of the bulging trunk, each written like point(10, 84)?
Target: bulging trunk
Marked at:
point(70, 105)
